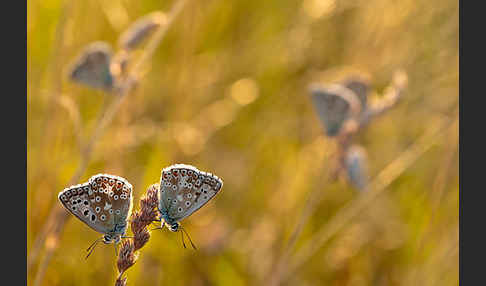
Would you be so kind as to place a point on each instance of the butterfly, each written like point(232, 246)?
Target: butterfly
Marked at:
point(92, 67)
point(103, 203)
point(335, 104)
point(183, 190)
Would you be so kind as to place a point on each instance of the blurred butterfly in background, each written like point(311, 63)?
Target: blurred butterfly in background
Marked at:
point(183, 190)
point(335, 105)
point(92, 67)
point(104, 203)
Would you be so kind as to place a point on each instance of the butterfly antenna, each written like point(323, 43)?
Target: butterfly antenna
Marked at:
point(192, 244)
point(92, 247)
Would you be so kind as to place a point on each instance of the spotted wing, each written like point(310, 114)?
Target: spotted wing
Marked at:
point(92, 67)
point(334, 105)
point(184, 189)
point(103, 203)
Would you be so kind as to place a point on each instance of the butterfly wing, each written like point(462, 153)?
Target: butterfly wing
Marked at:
point(184, 189)
point(360, 86)
point(115, 201)
point(141, 30)
point(334, 105)
point(92, 67)
point(76, 200)
point(357, 167)
point(103, 203)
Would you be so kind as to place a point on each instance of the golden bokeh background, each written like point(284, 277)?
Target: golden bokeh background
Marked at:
point(227, 91)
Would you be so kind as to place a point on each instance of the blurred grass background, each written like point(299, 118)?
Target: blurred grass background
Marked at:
point(226, 91)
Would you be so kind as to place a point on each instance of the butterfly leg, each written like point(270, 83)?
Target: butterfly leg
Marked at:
point(192, 244)
point(182, 238)
point(116, 250)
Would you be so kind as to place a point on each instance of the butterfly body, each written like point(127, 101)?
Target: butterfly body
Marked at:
point(183, 190)
point(172, 225)
point(104, 203)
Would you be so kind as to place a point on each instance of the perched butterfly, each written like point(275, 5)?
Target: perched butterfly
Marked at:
point(104, 203)
point(183, 190)
point(335, 104)
point(92, 67)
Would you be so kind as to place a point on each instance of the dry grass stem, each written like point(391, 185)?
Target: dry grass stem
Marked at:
point(139, 221)
point(121, 281)
point(439, 186)
point(73, 111)
point(127, 257)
